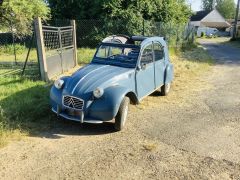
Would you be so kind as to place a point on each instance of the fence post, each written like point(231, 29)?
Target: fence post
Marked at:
point(40, 49)
point(73, 23)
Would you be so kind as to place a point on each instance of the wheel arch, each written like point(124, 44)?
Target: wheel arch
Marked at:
point(133, 98)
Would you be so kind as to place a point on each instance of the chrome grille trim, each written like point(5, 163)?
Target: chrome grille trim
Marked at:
point(73, 102)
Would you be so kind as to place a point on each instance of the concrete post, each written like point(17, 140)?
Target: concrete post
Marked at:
point(40, 49)
point(73, 23)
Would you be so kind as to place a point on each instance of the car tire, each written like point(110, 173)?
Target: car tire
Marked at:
point(165, 89)
point(121, 116)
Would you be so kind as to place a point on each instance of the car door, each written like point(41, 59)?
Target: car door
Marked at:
point(145, 74)
point(159, 60)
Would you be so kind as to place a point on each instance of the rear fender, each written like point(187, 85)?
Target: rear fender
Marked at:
point(169, 73)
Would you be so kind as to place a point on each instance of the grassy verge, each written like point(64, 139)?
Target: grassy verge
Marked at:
point(7, 54)
point(24, 104)
point(24, 107)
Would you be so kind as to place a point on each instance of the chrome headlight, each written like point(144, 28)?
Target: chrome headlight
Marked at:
point(59, 83)
point(98, 92)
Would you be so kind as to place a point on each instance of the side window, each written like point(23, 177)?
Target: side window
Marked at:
point(147, 55)
point(158, 51)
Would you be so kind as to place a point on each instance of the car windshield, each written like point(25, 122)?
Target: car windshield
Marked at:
point(117, 54)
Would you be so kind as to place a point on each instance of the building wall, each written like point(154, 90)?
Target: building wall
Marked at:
point(195, 23)
point(214, 20)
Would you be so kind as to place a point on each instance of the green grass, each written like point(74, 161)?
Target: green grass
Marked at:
point(85, 55)
point(24, 107)
point(7, 53)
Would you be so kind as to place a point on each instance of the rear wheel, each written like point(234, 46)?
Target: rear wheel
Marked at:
point(165, 89)
point(121, 117)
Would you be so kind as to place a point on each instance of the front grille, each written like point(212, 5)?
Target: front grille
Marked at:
point(73, 102)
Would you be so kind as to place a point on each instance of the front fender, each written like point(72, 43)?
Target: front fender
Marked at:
point(106, 107)
point(56, 94)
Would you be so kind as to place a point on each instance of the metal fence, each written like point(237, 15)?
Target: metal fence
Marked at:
point(14, 51)
point(91, 32)
point(59, 48)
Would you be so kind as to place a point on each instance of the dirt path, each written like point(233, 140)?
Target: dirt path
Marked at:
point(199, 139)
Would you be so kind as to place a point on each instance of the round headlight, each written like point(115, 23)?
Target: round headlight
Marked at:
point(59, 83)
point(97, 93)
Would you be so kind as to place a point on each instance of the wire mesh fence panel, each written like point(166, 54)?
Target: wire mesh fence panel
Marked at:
point(59, 48)
point(14, 51)
point(91, 32)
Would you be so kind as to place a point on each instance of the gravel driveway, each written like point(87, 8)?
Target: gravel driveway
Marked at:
point(198, 139)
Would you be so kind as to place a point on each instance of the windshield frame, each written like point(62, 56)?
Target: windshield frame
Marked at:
point(114, 63)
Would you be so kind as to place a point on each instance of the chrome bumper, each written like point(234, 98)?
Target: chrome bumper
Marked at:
point(73, 118)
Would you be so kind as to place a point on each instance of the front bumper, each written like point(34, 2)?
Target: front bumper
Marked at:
point(79, 118)
point(93, 111)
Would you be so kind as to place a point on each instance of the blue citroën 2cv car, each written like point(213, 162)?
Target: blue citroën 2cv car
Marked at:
point(123, 70)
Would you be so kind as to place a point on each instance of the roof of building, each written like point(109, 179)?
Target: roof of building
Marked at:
point(199, 15)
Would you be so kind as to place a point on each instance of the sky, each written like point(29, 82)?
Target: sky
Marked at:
point(197, 4)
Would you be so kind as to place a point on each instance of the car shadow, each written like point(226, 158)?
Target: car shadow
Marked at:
point(29, 111)
point(62, 127)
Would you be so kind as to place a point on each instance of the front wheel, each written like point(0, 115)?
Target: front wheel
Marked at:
point(165, 89)
point(121, 116)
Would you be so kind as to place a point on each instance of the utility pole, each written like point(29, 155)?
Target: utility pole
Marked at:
point(236, 22)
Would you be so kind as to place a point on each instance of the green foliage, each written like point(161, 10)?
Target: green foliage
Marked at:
point(132, 11)
point(75, 9)
point(20, 14)
point(207, 5)
point(225, 7)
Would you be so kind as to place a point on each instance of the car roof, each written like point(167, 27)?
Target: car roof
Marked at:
point(153, 39)
point(123, 39)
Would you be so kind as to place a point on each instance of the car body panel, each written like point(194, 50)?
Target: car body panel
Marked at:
point(117, 81)
point(145, 81)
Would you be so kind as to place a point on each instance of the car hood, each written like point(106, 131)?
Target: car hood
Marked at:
point(88, 78)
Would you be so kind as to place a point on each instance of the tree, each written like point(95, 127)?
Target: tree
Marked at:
point(19, 14)
point(225, 7)
point(207, 5)
point(158, 10)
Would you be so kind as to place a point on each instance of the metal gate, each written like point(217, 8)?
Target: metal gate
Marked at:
point(57, 50)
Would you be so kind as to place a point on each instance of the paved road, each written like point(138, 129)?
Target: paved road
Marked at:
point(198, 140)
point(212, 127)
